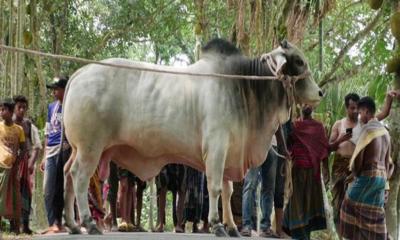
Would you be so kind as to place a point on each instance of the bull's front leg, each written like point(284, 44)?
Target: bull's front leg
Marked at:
point(227, 191)
point(215, 164)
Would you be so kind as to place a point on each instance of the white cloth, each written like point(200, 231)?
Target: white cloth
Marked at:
point(356, 133)
point(36, 143)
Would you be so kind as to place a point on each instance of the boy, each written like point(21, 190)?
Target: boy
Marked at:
point(28, 158)
point(12, 140)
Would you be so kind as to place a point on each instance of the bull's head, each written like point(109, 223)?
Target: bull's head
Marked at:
point(289, 60)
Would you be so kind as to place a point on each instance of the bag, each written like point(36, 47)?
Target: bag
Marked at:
point(7, 159)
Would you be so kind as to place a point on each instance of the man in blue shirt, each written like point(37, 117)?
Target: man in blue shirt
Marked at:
point(56, 154)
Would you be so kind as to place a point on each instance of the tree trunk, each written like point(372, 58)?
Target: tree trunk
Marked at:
point(35, 23)
point(3, 54)
point(19, 66)
point(320, 40)
point(392, 208)
point(11, 56)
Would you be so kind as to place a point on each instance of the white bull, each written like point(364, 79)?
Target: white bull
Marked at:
point(144, 120)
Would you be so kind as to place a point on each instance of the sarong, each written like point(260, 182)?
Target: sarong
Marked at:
point(95, 197)
point(172, 177)
point(305, 211)
point(26, 191)
point(340, 171)
point(10, 196)
point(194, 195)
point(362, 215)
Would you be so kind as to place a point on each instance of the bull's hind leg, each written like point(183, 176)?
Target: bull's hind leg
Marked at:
point(214, 171)
point(69, 197)
point(227, 190)
point(81, 170)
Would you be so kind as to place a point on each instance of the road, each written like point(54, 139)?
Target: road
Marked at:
point(136, 236)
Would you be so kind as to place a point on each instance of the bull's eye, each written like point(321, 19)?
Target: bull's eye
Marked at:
point(299, 62)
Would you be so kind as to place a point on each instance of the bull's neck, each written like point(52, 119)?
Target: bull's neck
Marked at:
point(267, 97)
point(255, 67)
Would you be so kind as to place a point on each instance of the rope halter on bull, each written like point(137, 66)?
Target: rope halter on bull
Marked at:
point(288, 83)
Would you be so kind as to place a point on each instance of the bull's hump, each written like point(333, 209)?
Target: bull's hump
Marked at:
point(220, 47)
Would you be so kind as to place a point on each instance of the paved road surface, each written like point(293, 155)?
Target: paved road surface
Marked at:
point(136, 236)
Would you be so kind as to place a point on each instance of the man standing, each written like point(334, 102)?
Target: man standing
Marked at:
point(271, 182)
point(56, 154)
point(342, 134)
point(362, 214)
point(309, 147)
point(343, 141)
point(28, 158)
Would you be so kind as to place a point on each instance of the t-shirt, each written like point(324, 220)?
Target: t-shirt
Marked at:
point(11, 137)
point(53, 124)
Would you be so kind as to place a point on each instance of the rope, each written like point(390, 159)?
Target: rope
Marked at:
point(87, 61)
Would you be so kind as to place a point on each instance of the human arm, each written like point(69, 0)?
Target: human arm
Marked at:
point(388, 162)
point(36, 147)
point(387, 105)
point(335, 139)
point(43, 163)
point(46, 133)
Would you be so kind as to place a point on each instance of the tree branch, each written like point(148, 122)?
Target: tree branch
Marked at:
point(339, 59)
point(348, 73)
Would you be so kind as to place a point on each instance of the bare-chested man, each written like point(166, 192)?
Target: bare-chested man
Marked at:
point(362, 214)
point(341, 131)
point(344, 150)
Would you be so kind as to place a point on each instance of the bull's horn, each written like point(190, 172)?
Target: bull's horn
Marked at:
point(284, 44)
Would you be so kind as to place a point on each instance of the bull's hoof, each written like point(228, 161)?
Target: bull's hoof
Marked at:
point(219, 230)
point(233, 232)
point(93, 230)
point(74, 230)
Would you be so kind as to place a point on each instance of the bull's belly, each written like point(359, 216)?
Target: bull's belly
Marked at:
point(145, 166)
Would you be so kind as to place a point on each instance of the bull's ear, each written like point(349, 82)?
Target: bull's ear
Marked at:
point(284, 44)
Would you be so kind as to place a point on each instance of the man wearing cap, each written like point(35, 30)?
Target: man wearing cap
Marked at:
point(56, 154)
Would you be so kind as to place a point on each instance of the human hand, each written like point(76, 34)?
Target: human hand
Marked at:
point(31, 169)
point(287, 154)
point(345, 137)
point(349, 179)
point(393, 94)
point(43, 164)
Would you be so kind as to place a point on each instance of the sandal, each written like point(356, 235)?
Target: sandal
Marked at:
point(130, 228)
point(123, 227)
point(246, 232)
point(268, 233)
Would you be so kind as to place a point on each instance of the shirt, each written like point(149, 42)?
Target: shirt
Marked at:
point(53, 124)
point(11, 137)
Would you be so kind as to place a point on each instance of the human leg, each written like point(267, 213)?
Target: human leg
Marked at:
point(249, 187)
